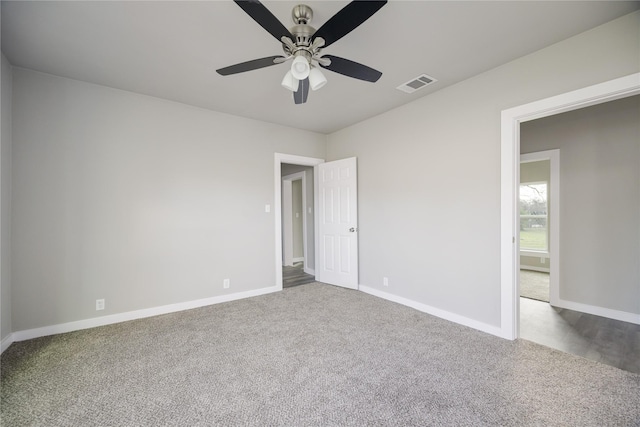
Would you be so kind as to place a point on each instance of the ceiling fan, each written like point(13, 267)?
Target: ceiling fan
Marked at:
point(303, 45)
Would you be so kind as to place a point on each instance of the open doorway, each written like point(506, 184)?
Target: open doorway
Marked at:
point(298, 241)
point(510, 157)
point(539, 229)
point(286, 165)
point(534, 230)
point(334, 213)
point(534, 236)
point(596, 313)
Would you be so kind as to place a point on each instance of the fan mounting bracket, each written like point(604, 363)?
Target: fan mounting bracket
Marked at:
point(302, 14)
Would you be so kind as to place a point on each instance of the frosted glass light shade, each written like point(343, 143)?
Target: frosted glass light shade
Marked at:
point(316, 79)
point(290, 82)
point(300, 68)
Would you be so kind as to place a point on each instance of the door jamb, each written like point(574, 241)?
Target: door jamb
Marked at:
point(279, 159)
point(510, 180)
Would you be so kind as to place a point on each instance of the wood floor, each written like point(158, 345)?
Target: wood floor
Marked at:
point(294, 276)
point(608, 341)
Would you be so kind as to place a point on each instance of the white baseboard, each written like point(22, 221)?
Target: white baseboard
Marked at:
point(623, 316)
point(132, 315)
point(6, 342)
point(310, 271)
point(301, 259)
point(443, 314)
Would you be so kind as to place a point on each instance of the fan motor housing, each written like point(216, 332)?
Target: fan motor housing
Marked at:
point(302, 31)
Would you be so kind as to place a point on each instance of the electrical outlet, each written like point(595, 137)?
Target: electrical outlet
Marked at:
point(225, 283)
point(385, 281)
point(543, 260)
point(99, 304)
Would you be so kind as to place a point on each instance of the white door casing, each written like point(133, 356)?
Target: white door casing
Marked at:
point(338, 223)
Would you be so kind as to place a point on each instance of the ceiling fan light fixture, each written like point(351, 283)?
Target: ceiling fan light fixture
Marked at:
point(290, 82)
point(316, 79)
point(300, 67)
point(303, 44)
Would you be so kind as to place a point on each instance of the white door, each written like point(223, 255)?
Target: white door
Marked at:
point(338, 223)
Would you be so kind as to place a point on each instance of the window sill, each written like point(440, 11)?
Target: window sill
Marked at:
point(537, 254)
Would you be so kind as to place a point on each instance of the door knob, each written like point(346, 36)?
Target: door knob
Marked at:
point(353, 229)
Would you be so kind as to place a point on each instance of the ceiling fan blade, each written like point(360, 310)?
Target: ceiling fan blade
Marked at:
point(264, 17)
point(249, 65)
point(347, 20)
point(300, 96)
point(351, 69)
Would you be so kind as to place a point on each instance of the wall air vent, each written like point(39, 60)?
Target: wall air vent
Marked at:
point(416, 83)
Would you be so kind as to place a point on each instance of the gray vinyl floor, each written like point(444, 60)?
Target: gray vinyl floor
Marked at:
point(607, 341)
point(294, 276)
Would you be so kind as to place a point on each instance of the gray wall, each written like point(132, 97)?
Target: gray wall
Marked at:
point(5, 201)
point(429, 172)
point(288, 169)
point(137, 200)
point(599, 199)
point(539, 171)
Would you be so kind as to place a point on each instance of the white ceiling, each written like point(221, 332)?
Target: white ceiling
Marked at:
point(171, 49)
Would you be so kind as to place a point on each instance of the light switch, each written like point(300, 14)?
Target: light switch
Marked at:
point(267, 208)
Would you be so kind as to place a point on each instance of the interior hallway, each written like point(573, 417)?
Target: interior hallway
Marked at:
point(295, 275)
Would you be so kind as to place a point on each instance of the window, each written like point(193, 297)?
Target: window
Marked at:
point(534, 233)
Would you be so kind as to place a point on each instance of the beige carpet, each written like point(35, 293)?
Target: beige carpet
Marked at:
point(534, 285)
point(311, 355)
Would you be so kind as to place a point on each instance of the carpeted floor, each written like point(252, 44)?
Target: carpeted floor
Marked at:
point(311, 355)
point(534, 285)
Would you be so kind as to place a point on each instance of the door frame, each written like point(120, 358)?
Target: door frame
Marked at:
point(510, 179)
point(553, 221)
point(279, 159)
point(287, 230)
